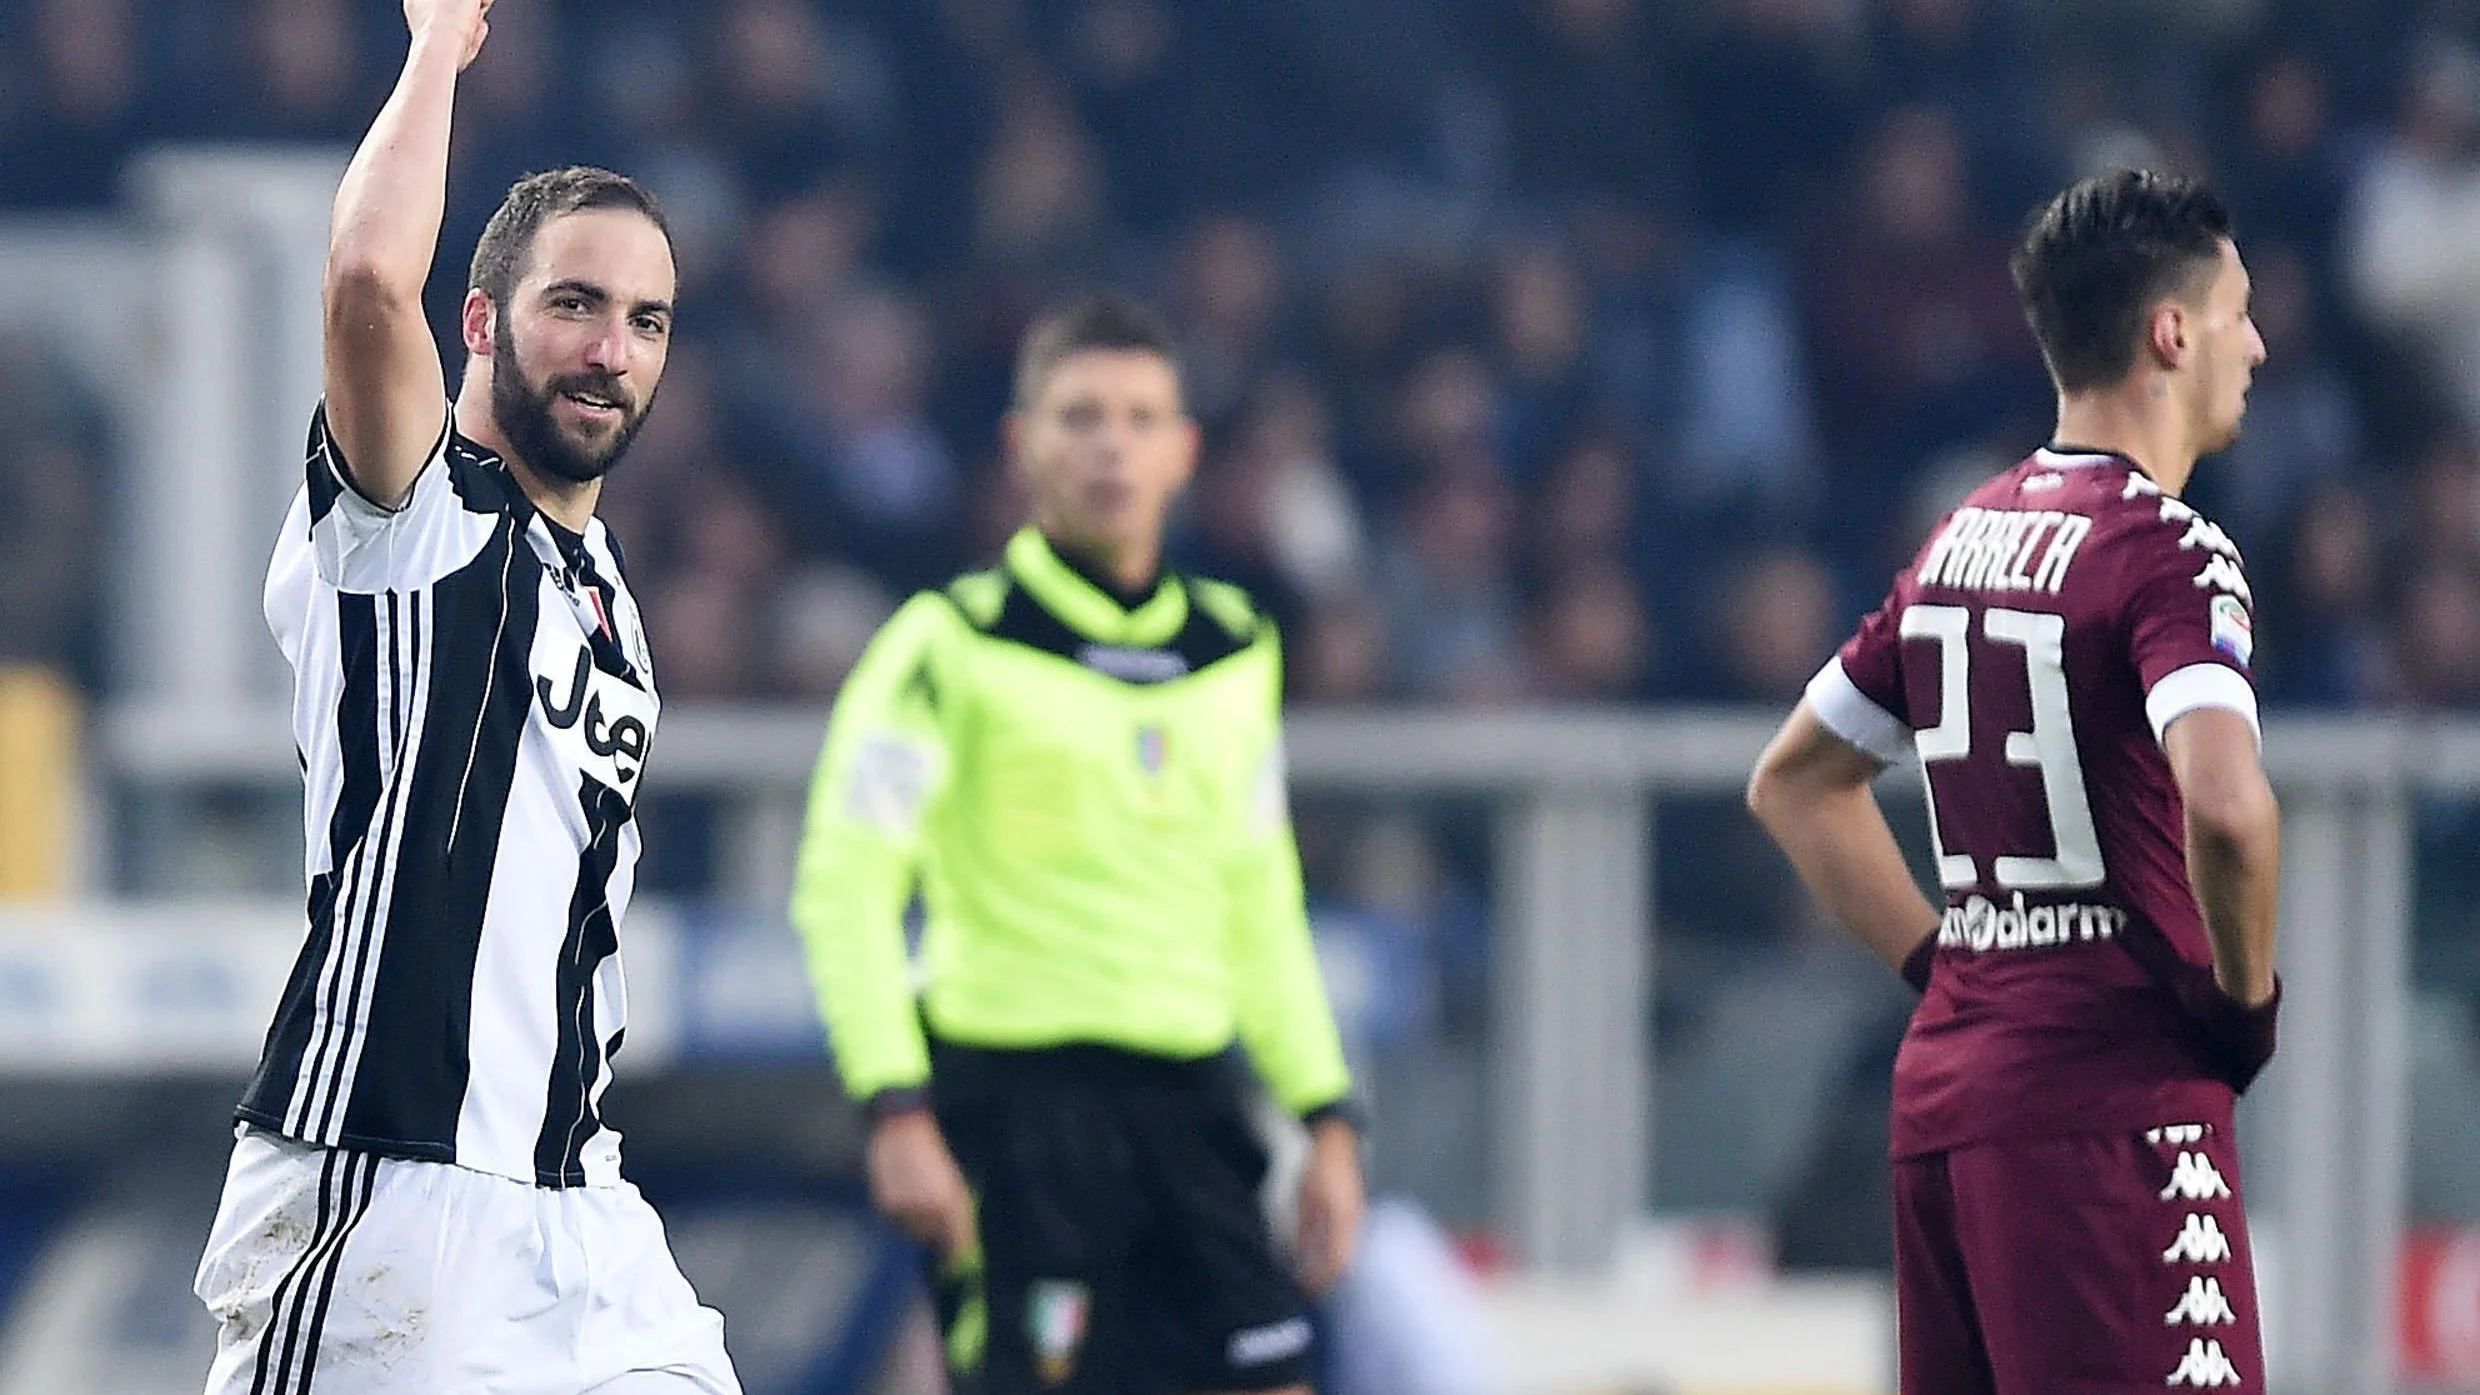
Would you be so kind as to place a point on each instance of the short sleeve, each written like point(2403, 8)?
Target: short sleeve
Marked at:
point(363, 546)
point(1859, 694)
point(2190, 618)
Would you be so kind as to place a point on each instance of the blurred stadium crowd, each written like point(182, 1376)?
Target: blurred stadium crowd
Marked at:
point(1548, 350)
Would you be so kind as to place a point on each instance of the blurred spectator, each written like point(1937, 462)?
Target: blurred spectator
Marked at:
point(2325, 632)
point(2413, 246)
point(1592, 638)
point(2440, 643)
point(821, 621)
point(1540, 327)
point(1914, 329)
point(795, 96)
point(1447, 587)
point(634, 102)
point(1370, 317)
point(1587, 111)
point(1227, 306)
point(856, 468)
point(2285, 174)
point(1269, 510)
point(1446, 417)
point(801, 253)
point(80, 74)
point(2303, 422)
point(2445, 504)
point(1139, 73)
point(1745, 439)
point(1773, 628)
point(1039, 198)
point(1973, 58)
point(1586, 509)
point(1339, 654)
point(1771, 96)
point(300, 74)
point(708, 623)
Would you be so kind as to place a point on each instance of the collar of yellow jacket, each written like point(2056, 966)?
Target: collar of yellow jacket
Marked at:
point(1085, 608)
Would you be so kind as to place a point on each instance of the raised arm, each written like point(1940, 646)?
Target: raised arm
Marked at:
point(385, 394)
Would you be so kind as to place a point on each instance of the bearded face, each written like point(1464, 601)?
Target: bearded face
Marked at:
point(579, 342)
point(573, 426)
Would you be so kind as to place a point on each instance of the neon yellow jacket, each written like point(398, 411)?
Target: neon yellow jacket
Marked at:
point(1092, 800)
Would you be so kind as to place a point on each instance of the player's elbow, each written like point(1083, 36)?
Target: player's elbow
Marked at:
point(363, 290)
point(1763, 787)
point(2238, 816)
point(1772, 793)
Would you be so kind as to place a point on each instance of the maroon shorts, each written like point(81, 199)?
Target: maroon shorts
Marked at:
point(2076, 1266)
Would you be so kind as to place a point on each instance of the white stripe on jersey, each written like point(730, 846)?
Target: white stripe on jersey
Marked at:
point(473, 748)
point(351, 951)
point(403, 740)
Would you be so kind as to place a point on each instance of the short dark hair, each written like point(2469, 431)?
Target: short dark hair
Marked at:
point(508, 239)
point(1106, 320)
point(2097, 257)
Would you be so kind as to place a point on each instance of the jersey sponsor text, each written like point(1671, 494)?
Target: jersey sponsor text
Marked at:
point(1981, 926)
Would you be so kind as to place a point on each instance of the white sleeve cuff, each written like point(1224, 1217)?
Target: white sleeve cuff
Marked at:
point(2201, 685)
point(1850, 714)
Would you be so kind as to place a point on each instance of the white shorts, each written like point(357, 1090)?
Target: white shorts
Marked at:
point(349, 1274)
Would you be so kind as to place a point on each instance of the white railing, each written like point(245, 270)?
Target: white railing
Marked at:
point(1576, 794)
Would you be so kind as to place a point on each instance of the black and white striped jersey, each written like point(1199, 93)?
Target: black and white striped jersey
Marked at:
point(473, 703)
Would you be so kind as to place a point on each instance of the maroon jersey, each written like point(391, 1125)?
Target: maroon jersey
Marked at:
point(2050, 630)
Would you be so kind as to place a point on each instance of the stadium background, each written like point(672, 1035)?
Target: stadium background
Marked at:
point(1574, 371)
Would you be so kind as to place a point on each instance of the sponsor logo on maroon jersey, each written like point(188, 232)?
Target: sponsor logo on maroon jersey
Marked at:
point(1980, 925)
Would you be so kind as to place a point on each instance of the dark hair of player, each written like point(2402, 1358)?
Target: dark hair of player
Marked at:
point(1103, 321)
point(2097, 258)
point(499, 257)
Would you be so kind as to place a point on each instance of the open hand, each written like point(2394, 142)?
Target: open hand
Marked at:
point(915, 1183)
point(1331, 1201)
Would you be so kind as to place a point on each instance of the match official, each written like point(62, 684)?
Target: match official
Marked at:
point(1078, 756)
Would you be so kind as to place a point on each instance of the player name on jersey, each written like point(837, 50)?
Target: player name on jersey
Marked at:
point(1995, 549)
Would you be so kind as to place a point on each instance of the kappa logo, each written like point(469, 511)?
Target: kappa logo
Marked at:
point(2204, 1305)
point(2195, 1179)
point(2177, 1133)
point(2207, 534)
point(2200, 1241)
point(2223, 574)
point(2204, 1365)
